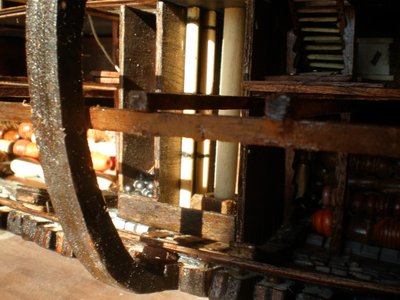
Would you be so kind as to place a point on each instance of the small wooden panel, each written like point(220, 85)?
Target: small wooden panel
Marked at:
point(208, 225)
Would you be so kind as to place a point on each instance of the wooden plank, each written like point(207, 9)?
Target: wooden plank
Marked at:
point(161, 101)
point(333, 89)
point(208, 225)
point(137, 69)
point(316, 136)
point(171, 30)
point(17, 112)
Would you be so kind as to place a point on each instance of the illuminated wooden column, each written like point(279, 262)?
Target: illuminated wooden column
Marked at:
point(190, 86)
point(230, 84)
point(207, 67)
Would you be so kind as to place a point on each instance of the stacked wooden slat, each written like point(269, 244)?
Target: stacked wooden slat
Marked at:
point(43, 232)
point(319, 26)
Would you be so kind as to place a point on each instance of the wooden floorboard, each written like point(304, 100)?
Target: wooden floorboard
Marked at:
point(28, 271)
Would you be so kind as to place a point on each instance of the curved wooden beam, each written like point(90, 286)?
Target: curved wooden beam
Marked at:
point(54, 67)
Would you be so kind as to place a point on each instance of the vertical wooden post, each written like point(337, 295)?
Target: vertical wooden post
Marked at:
point(230, 84)
point(190, 86)
point(206, 87)
point(136, 60)
point(289, 185)
point(169, 73)
point(115, 56)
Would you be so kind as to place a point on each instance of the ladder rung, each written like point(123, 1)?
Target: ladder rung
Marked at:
point(320, 29)
point(317, 2)
point(314, 1)
point(337, 47)
point(332, 57)
point(327, 65)
point(322, 38)
point(317, 10)
point(319, 19)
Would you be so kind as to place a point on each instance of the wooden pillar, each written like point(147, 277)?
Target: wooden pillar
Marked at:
point(137, 71)
point(230, 84)
point(169, 73)
point(190, 86)
point(207, 67)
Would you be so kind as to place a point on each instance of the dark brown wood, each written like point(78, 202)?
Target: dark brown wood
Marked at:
point(339, 209)
point(210, 4)
point(137, 70)
point(231, 286)
point(207, 203)
point(337, 89)
point(20, 207)
point(91, 90)
point(249, 36)
point(139, 4)
point(54, 40)
point(349, 19)
point(372, 183)
point(15, 111)
point(208, 225)
point(170, 61)
point(289, 185)
point(195, 280)
point(373, 140)
point(150, 102)
point(14, 222)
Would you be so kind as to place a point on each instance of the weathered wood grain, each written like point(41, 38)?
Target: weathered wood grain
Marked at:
point(208, 225)
point(349, 90)
point(171, 31)
point(316, 136)
point(137, 70)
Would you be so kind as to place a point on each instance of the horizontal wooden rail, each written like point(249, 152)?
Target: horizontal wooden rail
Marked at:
point(19, 89)
point(148, 102)
point(337, 89)
point(317, 136)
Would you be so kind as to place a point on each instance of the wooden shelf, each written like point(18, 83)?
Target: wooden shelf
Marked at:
point(334, 90)
point(17, 87)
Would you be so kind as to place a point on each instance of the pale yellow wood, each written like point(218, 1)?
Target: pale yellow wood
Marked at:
point(337, 47)
point(207, 67)
point(320, 29)
point(319, 38)
point(319, 19)
point(190, 86)
point(332, 57)
point(327, 65)
point(231, 77)
point(317, 10)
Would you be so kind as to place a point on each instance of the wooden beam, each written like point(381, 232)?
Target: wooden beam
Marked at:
point(149, 102)
point(370, 139)
point(336, 89)
point(316, 136)
point(208, 225)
